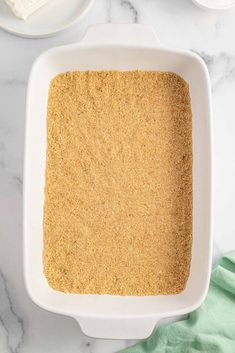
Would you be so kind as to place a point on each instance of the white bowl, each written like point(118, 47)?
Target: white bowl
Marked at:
point(212, 6)
point(117, 47)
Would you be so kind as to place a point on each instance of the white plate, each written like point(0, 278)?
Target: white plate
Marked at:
point(52, 18)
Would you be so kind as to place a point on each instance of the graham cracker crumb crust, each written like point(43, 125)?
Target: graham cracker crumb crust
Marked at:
point(118, 194)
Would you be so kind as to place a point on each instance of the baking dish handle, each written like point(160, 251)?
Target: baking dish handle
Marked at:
point(134, 328)
point(128, 34)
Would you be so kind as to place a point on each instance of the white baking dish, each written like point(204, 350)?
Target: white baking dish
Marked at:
point(118, 47)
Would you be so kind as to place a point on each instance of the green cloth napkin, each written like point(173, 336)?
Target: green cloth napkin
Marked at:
point(209, 329)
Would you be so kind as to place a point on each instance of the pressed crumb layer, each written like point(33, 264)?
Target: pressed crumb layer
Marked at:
point(118, 194)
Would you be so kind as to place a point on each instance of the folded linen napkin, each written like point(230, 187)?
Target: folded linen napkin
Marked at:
point(209, 329)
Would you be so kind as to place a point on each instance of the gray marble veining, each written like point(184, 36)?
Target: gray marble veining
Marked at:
point(221, 67)
point(11, 325)
point(129, 5)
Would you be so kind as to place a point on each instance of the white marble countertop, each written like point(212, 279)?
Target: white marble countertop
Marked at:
point(23, 326)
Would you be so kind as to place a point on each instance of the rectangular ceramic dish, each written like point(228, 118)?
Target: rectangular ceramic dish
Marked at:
point(117, 47)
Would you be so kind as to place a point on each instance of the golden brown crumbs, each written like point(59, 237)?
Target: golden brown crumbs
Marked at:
point(118, 195)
